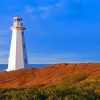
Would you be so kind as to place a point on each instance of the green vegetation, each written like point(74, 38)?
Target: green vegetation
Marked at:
point(78, 87)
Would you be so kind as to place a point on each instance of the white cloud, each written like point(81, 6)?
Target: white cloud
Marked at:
point(56, 58)
point(3, 61)
point(4, 56)
point(4, 32)
point(47, 10)
point(44, 8)
point(3, 53)
point(30, 9)
point(60, 4)
point(4, 37)
point(4, 44)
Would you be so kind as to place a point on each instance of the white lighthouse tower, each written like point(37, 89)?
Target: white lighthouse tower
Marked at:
point(18, 56)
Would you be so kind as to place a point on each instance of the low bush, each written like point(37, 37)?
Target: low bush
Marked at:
point(72, 88)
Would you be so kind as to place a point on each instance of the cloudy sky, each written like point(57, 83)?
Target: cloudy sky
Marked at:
point(57, 30)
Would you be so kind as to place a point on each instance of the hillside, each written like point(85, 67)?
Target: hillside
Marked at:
point(49, 75)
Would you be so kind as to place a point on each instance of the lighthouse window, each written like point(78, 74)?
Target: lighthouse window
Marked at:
point(23, 33)
point(24, 46)
point(25, 60)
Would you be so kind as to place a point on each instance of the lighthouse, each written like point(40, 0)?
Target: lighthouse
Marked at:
point(18, 55)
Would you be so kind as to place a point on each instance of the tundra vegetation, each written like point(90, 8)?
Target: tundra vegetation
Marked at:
point(78, 87)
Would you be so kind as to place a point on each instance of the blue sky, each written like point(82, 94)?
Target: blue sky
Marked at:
point(57, 30)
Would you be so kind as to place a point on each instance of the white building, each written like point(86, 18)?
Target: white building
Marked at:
point(18, 56)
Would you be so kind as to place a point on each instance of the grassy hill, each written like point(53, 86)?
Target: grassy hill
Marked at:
point(54, 82)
